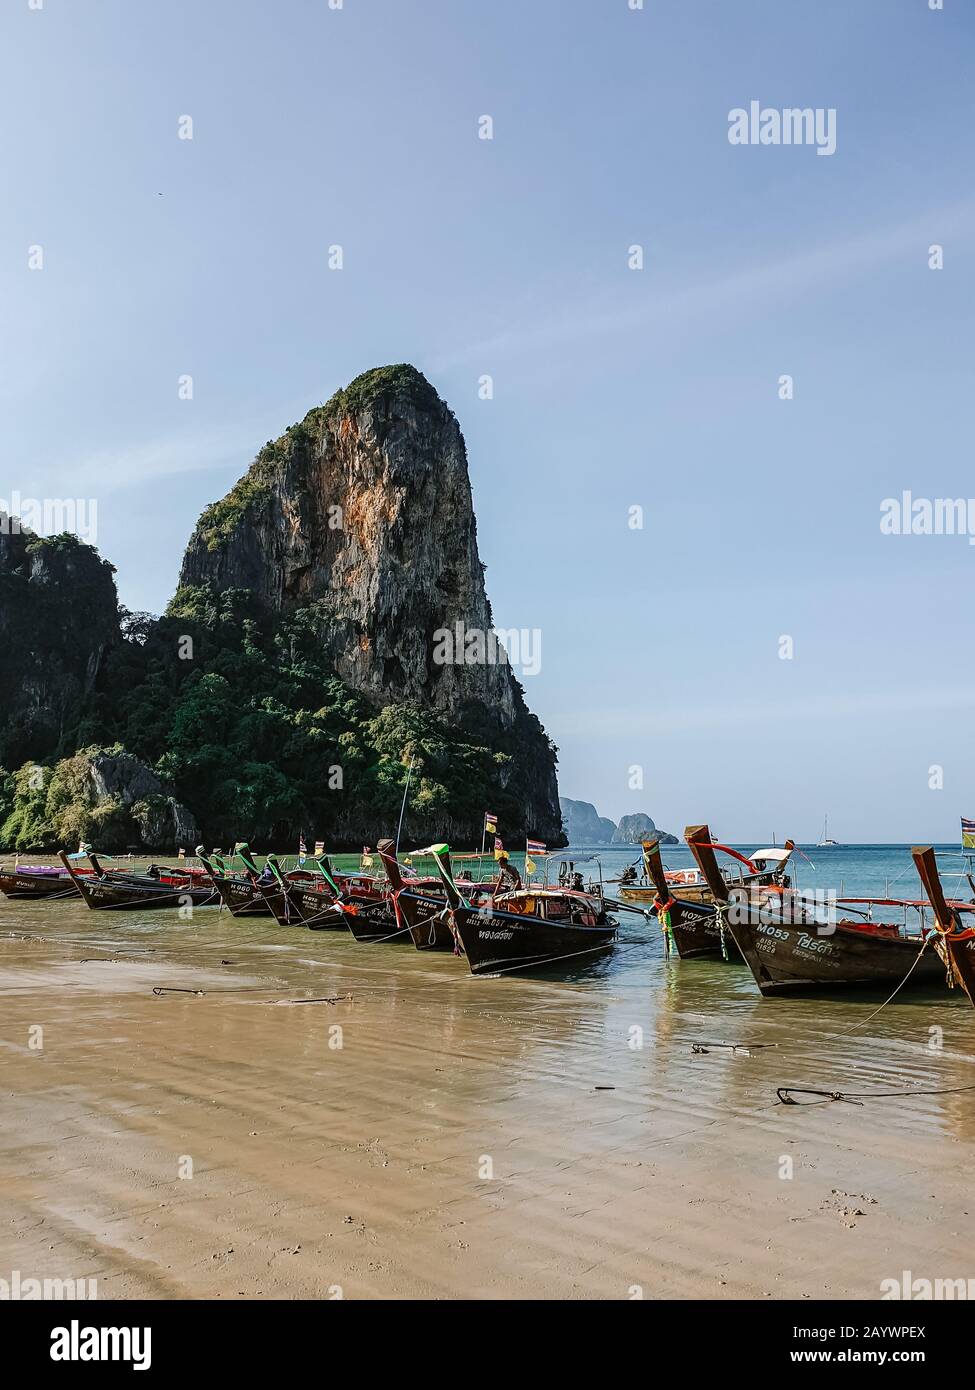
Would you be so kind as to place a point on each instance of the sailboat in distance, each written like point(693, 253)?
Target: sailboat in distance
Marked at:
point(825, 842)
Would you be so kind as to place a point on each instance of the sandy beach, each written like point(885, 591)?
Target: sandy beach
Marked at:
point(429, 1135)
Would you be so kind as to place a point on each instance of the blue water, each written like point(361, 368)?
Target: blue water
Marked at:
point(849, 870)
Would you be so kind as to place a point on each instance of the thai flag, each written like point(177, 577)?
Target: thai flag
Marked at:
point(534, 847)
point(967, 833)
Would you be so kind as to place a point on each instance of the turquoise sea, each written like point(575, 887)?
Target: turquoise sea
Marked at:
point(849, 870)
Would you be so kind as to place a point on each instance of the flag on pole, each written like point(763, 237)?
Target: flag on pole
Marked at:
point(182, 854)
point(490, 823)
point(532, 847)
point(967, 833)
point(498, 847)
point(319, 848)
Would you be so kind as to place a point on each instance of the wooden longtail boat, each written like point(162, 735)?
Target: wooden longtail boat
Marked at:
point(131, 892)
point(955, 943)
point(496, 941)
point(306, 901)
point(791, 951)
point(766, 867)
point(694, 927)
point(421, 903)
point(239, 893)
point(33, 885)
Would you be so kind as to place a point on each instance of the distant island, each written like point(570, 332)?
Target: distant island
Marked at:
point(583, 825)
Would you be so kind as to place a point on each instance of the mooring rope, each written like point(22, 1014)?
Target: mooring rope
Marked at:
point(785, 1094)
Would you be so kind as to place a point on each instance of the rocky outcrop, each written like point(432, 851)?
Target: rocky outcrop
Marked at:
point(360, 517)
point(583, 825)
point(632, 830)
point(120, 779)
point(58, 619)
point(103, 796)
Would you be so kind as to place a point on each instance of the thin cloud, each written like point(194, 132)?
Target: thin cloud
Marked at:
point(749, 285)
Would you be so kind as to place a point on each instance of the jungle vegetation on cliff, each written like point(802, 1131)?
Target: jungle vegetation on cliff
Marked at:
point(290, 683)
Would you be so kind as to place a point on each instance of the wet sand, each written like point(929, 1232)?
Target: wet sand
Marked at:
point(462, 1142)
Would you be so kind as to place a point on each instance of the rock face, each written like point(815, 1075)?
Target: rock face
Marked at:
point(633, 829)
point(361, 515)
point(583, 824)
point(119, 778)
point(58, 619)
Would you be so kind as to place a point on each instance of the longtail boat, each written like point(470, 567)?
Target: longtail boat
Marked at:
point(762, 868)
point(238, 892)
point(362, 902)
point(129, 892)
point(306, 901)
point(421, 903)
point(40, 882)
point(955, 943)
point(495, 940)
point(694, 927)
point(792, 950)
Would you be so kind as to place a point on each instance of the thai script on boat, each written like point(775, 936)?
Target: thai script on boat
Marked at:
point(18, 1288)
point(810, 943)
point(926, 1290)
point(50, 516)
point(461, 645)
point(908, 515)
point(792, 125)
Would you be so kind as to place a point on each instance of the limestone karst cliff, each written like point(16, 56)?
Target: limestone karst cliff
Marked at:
point(584, 825)
point(58, 621)
point(634, 828)
point(360, 518)
point(298, 671)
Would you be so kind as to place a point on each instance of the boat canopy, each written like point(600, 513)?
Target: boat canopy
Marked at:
point(776, 856)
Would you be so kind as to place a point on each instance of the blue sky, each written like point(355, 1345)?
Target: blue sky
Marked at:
point(613, 387)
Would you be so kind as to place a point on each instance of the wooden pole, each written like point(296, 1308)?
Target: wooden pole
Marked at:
point(926, 863)
point(698, 839)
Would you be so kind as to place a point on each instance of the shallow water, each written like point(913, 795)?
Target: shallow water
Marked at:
point(620, 1154)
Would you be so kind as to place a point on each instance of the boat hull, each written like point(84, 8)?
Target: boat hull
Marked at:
point(242, 897)
point(697, 932)
point(101, 896)
point(429, 922)
point(495, 942)
point(34, 887)
point(787, 959)
point(371, 919)
point(316, 909)
point(958, 949)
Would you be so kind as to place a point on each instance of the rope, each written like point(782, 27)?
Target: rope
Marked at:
point(785, 1094)
point(663, 917)
point(916, 961)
